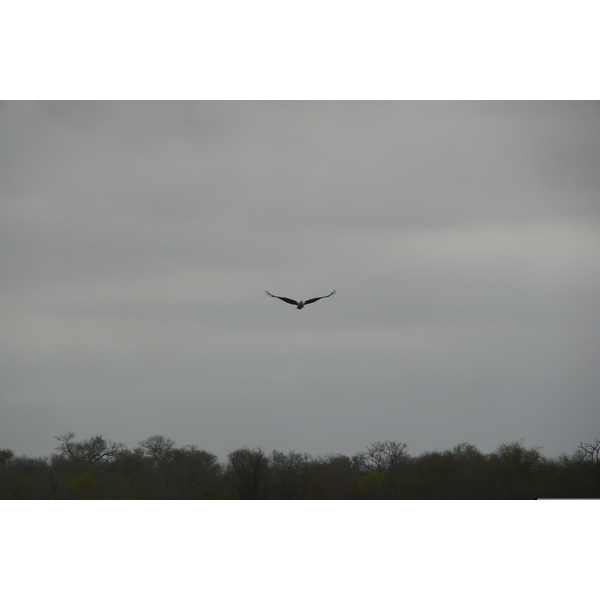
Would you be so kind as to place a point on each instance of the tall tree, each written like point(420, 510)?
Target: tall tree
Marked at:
point(247, 472)
point(380, 457)
point(95, 450)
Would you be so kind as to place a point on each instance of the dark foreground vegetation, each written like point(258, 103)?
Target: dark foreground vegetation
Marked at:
point(96, 469)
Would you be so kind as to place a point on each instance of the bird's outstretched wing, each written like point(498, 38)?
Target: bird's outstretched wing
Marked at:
point(288, 300)
point(319, 298)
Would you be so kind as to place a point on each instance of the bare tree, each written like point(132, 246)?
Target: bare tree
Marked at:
point(382, 456)
point(96, 450)
point(290, 473)
point(591, 452)
point(247, 471)
point(159, 448)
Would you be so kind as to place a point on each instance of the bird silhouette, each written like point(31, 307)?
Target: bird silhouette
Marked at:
point(299, 303)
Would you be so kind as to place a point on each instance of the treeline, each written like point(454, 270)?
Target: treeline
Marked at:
point(97, 469)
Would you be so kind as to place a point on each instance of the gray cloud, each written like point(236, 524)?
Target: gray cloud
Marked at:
point(462, 237)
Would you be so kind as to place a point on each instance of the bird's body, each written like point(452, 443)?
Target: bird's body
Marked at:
point(299, 303)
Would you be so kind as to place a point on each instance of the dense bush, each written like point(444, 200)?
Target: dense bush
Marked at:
point(158, 469)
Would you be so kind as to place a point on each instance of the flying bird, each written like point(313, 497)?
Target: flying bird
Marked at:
point(299, 303)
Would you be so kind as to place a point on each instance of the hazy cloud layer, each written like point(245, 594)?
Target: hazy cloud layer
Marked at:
point(463, 239)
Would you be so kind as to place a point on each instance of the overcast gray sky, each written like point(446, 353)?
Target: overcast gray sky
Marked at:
point(463, 239)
